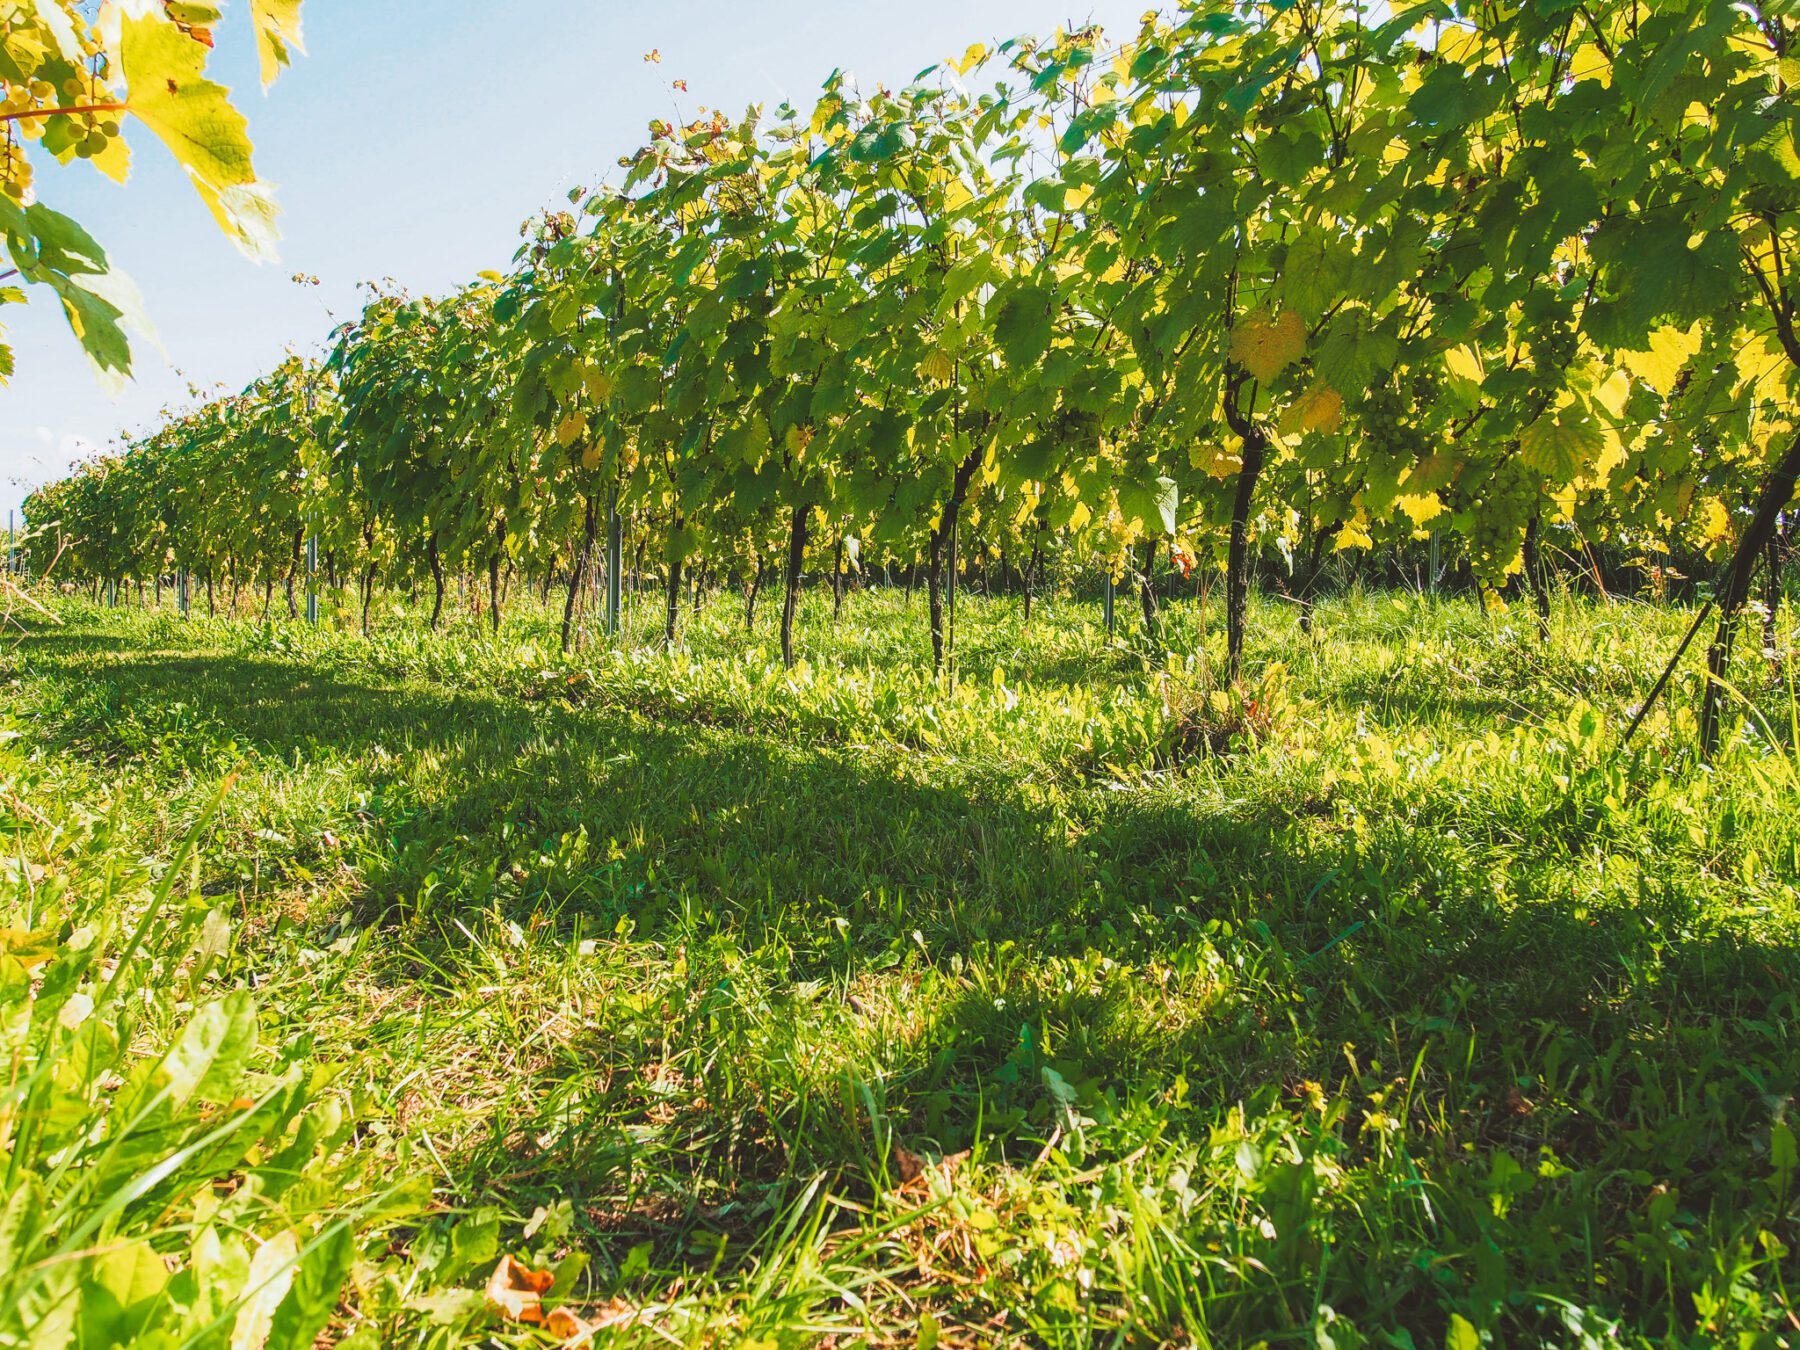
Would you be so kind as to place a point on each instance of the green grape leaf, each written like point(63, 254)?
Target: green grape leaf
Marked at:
point(102, 305)
point(1023, 323)
point(1317, 268)
point(1155, 504)
point(1287, 156)
point(1454, 95)
point(876, 143)
point(1032, 462)
point(44, 240)
point(1561, 443)
point(1354, 351)
point(1658, 272)
point(97, 324)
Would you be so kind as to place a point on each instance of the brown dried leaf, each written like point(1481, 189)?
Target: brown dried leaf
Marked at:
point(916, 1171)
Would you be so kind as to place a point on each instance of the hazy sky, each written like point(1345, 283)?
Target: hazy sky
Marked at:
point(409, 143)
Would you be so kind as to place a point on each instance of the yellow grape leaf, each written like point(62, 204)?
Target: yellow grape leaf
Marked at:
point(1265, 344)
point(1456, 43)
point(1660, 366)
point(1353, 534)
point(1611, 455)
point(1612, 393)
point(1215, 460)
point(1590, 63)
point(115, 160)
point(1464, 363)
point(976, 54)
point(1320, 408)
point(1715, 521)
point(590, 458)
point(599, 383)
point(1758, 359)
point(57, 23)
point(169, 93)
point(1421, 506)
point(937, 365)
point(277, 35)
point(571, 429)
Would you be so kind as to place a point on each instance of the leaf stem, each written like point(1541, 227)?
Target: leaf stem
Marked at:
point(66, 112)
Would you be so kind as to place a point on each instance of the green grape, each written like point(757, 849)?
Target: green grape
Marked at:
point(1499, 508)
point(1555, 349)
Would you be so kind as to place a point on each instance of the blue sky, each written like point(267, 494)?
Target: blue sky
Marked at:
point(409, 143)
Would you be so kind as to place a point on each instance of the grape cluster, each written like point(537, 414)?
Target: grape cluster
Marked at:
point(83, 134)
point(1389, 427)
point(1497, 508)
point(15, 172)
point(1554, 348)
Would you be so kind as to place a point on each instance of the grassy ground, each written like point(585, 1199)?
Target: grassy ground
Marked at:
point(1073, 1004)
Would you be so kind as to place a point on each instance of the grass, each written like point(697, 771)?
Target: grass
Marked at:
point(1074, 1003)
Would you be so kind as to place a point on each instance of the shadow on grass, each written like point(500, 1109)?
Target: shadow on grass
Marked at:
point(1629, 1036)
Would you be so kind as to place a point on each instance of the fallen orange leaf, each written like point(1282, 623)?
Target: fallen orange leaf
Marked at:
point(518, 1291)
point(574, 1330)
